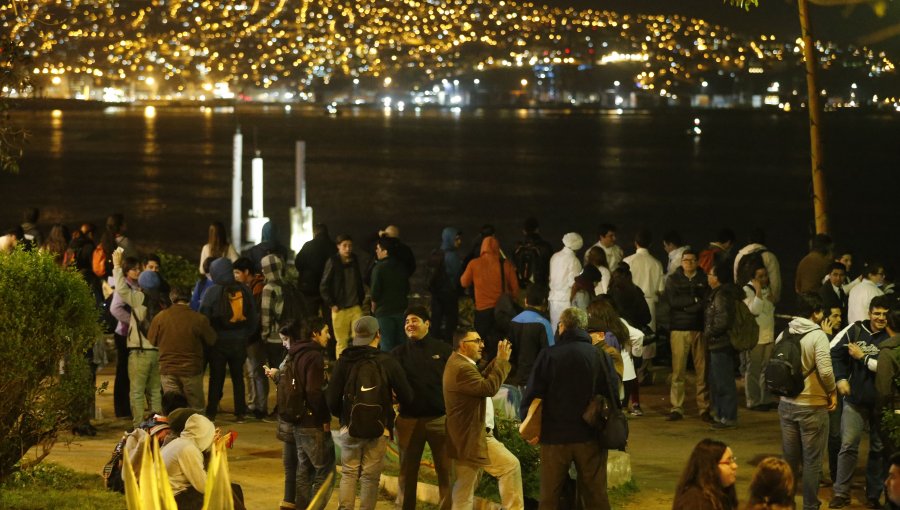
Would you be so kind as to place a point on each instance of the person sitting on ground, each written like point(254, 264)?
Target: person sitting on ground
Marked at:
point(772, 486)
point(707, 482)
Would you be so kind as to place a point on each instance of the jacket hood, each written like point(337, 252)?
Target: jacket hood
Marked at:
point(200, 430)
point(222, 271)
point(490, 246)
point(800, 325)
point(272, 267)
point(299, 348)
point(358, 352)
point(750, 248)
point(269, 232)
point(890, 343)
point(448, 238)
point(574, 335)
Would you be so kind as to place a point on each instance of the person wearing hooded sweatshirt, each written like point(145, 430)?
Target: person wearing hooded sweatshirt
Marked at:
point(564, 267)
point(269, 244)
point(445, 266)
point(143, 357)
point(529, 334)
point(271, 307)
point(363, 459)
point(804, 418)
point(232, 312)
point(484, 273)
point(718, 315)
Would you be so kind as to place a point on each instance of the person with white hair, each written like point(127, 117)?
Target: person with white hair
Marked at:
point(564, 267)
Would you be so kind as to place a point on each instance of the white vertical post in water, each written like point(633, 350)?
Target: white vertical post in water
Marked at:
point(237, 185)
point(301, 215)
point(257, 219)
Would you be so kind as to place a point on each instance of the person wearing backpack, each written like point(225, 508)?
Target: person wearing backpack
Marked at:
point(232, 312)
point(854, 354)
point(143, 357)
point(718, 317)
point(804, 414)
point(302, 404)
point(532, 256)
point(761, 303)
point(359, 395)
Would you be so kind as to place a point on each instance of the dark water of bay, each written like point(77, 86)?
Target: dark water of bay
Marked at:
point(171, 175)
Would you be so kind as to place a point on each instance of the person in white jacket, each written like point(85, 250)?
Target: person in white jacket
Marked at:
point(861, 295)
point(646, 273)
point(761, 304)
point(564, 267)
point(773, 267)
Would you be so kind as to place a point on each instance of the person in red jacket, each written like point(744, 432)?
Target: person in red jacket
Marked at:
point(490, 284)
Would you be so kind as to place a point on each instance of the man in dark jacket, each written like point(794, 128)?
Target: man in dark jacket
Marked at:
point(342, 292)
point(564, 378)
point(310, 264)
point(233, 329)
point(854, 354)
point(445, 268)
point(402, 252)
point(832, 292)
point(718, 314)
point(361, 458)
point(312, 435)
point(686, 290)
point(529, 334)
point(390, 287)
point(532, 256)
point(423, 359)
point(270, 245)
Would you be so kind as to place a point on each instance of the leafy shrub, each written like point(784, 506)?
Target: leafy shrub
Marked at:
point(48, 321)
point(177, 270)
point(529, 456)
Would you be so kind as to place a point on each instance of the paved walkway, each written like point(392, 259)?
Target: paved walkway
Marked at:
point(659, 450)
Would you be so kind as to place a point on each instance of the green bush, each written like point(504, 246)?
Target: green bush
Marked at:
point(48, 485)
point(48, 321)
point(529, 456)
point(177, 270)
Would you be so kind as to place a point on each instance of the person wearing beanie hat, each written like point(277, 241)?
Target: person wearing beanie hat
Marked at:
point(143, 357)
point(564, 267)
point(422, 359)
point(362, 459)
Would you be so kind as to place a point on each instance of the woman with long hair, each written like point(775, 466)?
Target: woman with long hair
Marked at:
point(707, 482)
point(597, 257)
point(57, 242)
point(772, 486)
point(628, 340)
point(217, 245)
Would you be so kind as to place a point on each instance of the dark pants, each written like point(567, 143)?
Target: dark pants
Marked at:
point(721, 384)
point(232, 354)
point(444, 315)
point(122, 385)
point(412, 434)
point(392, 334)
point(590, 464)
point(191, 499)
point(834, 437)
point(315, 460)
point(485, 326)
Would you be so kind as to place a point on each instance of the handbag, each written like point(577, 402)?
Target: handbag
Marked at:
point(605, 416)
point(530, 428)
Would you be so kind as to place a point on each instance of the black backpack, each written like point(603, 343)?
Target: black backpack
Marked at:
point(291, 304)
point(530, 260)
point(367, 399)
point(291, 393)
point(784, 371)
point(748, 264)
point(112, 471)
point(232, 308)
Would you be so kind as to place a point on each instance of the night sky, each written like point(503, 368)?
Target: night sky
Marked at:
point(772, 16)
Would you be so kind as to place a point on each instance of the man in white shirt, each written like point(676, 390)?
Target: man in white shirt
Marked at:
point(675, 248)
point(646, 273)
point(861, 295)
point(564, 267)
point(760, 302)
point(606, 235)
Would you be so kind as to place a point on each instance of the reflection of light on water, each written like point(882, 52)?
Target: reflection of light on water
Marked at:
point(56, 136)
point(287, 108)
point(150, 112)
point(56, 114)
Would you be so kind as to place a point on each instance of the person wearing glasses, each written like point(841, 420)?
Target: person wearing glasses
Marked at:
point(470, 422)
point(707, 482)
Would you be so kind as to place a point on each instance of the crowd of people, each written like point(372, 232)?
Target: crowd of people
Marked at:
point(551, 331)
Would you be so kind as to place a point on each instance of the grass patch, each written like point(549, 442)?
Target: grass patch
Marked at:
point(51, 486)
point(619, 496)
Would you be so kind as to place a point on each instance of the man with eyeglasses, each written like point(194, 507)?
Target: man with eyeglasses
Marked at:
point(686, 290)
point(470, 422)
point(862, 293)
point(854, 353)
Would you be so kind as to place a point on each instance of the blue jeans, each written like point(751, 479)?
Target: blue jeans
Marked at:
point(721, 384)
point(854, 421)
point(834, 437)
point(363, 460)
point(289, 461)
point(804, 436)
point(392, 334)
point(315, 460)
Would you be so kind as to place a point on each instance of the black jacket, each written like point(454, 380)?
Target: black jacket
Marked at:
point(718, 314)
point(390, 286)
point(331, 286)
point(423, 361)
point(308, 359)
point(856, 371)
point(686, 299)
point(396, 380)
point(564, 377)
point(629, 301)
point(528, 337)
point(310, 263)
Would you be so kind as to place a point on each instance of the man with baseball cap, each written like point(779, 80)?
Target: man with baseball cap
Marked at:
point(424, 420)
point(362, 458)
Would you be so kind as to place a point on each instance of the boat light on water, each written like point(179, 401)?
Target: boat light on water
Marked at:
point(150, 112)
